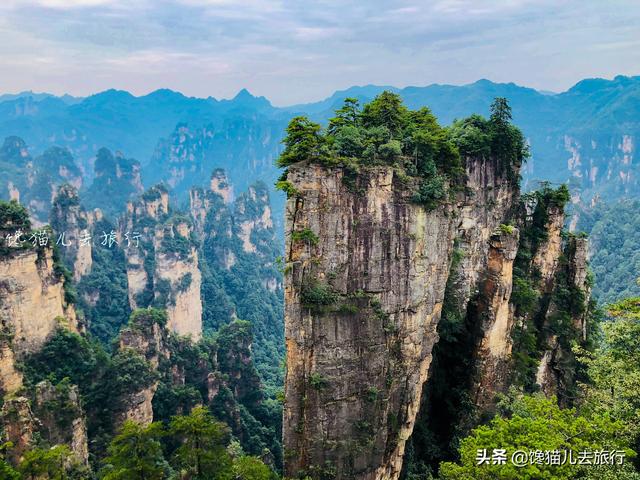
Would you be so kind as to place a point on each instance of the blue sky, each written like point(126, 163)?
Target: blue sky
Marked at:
point(299, 51)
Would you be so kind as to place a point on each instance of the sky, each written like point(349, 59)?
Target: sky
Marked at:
point(297, 51)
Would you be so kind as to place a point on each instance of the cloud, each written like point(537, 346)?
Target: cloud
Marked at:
point(57, 4)
point(294, 51)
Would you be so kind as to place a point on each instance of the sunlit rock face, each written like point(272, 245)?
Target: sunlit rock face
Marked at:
point(366, 270)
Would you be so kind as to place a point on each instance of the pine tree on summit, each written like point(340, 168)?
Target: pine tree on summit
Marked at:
point(303, 142)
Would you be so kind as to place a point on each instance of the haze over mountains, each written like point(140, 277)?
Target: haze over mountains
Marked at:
point(586, 136)
point(581, 135)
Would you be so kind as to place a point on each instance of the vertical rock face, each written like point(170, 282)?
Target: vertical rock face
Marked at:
point(552, 376)
point(164, 269)
point(364, 289)
point(240, 274)
point(70, 223)
point(61, 417)
point(19, 425)
point(149, 341)
point(253, 216)
point(212, 216)
point(497, 314)
point(181, 275)
point(10, 376)
point(32, 299)
point(32, 306)
point(548, 254)
point(578, 273)
point(34, 181)
point(141, 217)
point(490, 198)
point(117, 181)
point(180, 158)
point(220, 185)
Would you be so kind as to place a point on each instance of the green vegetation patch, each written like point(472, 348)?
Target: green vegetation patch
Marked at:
point(385, 132)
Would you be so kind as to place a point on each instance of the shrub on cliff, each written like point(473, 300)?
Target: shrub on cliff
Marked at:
point(13, 218)
point(303, 141)
point(386, 132)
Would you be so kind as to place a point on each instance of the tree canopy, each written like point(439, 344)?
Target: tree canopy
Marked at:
point(386, 132)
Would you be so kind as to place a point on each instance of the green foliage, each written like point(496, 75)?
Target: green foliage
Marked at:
point(64, 355)
point(253, 418)
point(6, 470)
point(185, 282)
point(104, 381)
point(385, 132)
point(136, 453)
point(390, 151)
point(240, 290)
point(62, 272)
point(103, 293)
point(346, 116)
point(201, 454)
point(349, 141)
point(386, 110)
point(56, 463)
point(315, 294)
point(143, 318)
point(372, 394)
point(433, 190)
point(318, 381)
point(305, 235)
point(154, 193)
point(615, 248)
point(302, 142)
point(496, 137)
point(252, 468)
point(197, 446)
point(472, 136)
point(613, 369)
point(534, 423)
point(116, 182)
point(529, 336)
point(286, 187)
point(506, 229)
point(13, 218)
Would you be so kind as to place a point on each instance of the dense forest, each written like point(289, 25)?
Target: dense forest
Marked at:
point(615, 257)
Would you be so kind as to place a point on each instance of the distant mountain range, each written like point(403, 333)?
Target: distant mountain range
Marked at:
point(586, 135)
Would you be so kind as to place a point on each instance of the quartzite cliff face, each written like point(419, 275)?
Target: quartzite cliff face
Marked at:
point(355, 372)
point(32, 306)
point(162, 268)
point(366, 274)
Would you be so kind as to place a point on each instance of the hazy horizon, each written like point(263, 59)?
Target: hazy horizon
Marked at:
point(292, 53)
point(312, 100)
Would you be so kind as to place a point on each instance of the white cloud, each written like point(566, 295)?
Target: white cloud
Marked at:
point(293, 51)
point(56, 4)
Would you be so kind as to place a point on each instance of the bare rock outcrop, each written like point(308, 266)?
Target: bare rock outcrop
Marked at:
point(497, 316)
point(61, 417)
point(163, 269)
point(364, 290)
point(71, 224)
point(367, 271)
point(147, 338)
